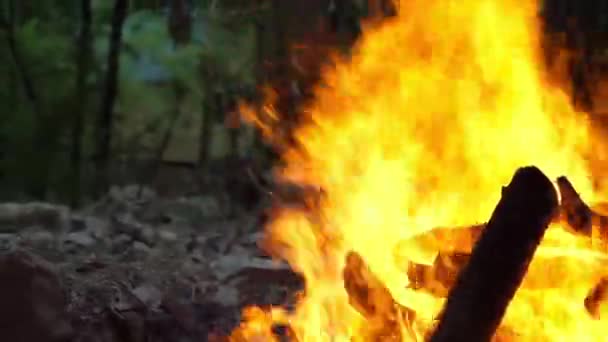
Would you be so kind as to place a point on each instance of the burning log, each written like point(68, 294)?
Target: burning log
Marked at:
point(439, 277)
point(596, 297)
point(573, 211)
point(374, 301)
point(500, 258)
point(452, 240)
point(578, 215)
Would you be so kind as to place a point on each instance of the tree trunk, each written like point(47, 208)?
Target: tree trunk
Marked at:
point(207, 112)
point(28, 85)
point(81, 101)
point(38, 168)
point(106, 114)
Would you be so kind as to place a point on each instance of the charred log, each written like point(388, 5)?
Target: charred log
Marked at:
point(374, 301)
point(484, 288)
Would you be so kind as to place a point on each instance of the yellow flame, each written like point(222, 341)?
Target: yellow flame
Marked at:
point(420, 129)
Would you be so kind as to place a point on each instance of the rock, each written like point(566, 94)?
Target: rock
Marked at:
point(132, 193)
point(229, 265)
point(98, 228)
point(78, 223)
point(141, 248)
point(127, 224)
point(33, 303)
point(262, 286)
point(15, 216)
point(167, 235)
point(81, 239)
point(149, 295)
point(188, 211)
point(8, 241)
point(227, 295)
point(120, 243)
point(41, 239)
point(148, 236)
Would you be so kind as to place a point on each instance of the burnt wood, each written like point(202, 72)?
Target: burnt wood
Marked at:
point(373, 300)
point(484, 288)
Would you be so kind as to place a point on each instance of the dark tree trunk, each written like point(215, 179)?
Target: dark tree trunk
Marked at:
point(28, 84)
point(37, 169)
point(500, 259)
point(207, 114)
point(106, 114)
point(81, 101)
point(180, 23)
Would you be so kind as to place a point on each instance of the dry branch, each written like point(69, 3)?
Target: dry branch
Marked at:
point(500, 259)
point(374, 301)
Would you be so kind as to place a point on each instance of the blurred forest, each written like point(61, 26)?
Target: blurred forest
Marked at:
point(102, 92)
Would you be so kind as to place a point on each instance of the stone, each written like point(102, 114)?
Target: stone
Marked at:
point(15, 216)
point(33, 302)
point(82, 239)
point(150, 295)
point(167, 235)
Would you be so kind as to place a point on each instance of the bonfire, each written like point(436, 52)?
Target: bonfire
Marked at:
point(455, 178)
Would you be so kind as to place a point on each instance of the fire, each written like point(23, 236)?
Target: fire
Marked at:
point(420, 129)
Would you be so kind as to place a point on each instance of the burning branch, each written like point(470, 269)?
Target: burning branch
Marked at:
point(374, 301)
point(500, 259)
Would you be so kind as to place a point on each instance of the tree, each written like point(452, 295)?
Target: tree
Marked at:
point(106, 114)
point(83, 63)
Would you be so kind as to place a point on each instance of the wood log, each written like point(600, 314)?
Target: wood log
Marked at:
point(580, 218)
point(439, 277)
point(374, 301)
point(484, 288)
point(450, 239)
point(596, 297)
point(576, 215)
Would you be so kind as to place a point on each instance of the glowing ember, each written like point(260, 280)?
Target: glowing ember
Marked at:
point(420, 129)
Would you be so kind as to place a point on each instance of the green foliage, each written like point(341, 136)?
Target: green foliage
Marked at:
point(36, 144)
point(229, 47)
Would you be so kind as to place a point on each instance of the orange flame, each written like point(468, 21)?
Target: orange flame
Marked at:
point(420, 129)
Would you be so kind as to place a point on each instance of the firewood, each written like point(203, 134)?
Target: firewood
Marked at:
point(374, 301)
point(439, 277)
point(596, 297)
point(578, 215)
point(484, 288)
point(450, 239)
